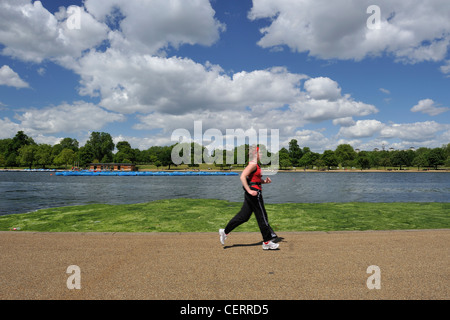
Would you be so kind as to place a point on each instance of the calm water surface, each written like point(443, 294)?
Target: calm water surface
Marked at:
point(29, 191)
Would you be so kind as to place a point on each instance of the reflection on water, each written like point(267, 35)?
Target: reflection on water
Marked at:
point(28, 191)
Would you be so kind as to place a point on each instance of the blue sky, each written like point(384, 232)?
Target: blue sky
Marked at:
point(314, 70)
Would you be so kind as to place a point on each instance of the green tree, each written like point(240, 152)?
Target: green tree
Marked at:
point(27, 155)
point(85, 155)
point(238, 152)
point(397, 159)
point(4, 144)
point(420, 161)
point(157, 163)
point(363, 160)
point(19, 140)
point(44, 155)
point(153, 154)
point(66, 143)
point(102, 146)
point(345, 154)
point(329, 158)
point(319, 163)
point(385, 160)
point(436, 157)
point(123, 157)
point(308, 159)
point(402, 158)
point(123, 146)
point(165, 156)
point(125, 153)
point(69, 143)
point(196, 154)
point(409, 157)
point(12, 160)
point(221, 154)
point(447, 162)
point(447, 154)
point(65, 157)
point(295, 152)
point(284, 159)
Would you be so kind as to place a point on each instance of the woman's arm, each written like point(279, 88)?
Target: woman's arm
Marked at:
point(247, 171)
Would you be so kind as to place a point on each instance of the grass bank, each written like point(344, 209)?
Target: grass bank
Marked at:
point(200, 215)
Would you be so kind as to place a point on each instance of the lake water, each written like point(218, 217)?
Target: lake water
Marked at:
point(28, 191)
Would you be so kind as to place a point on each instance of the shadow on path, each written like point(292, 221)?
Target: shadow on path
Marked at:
point(279, 239)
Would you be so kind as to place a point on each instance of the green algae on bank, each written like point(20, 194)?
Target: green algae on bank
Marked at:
point(206, 215)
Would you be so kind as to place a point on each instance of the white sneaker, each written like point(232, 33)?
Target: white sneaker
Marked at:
point(223, 236)
point(270, 245)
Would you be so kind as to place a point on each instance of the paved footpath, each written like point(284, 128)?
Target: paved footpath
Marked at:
point(169, 266)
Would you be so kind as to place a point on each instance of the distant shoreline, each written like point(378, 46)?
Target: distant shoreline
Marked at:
point(367, 170)
point(240, 170)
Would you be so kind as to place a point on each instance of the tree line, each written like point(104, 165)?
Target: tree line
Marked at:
point(22, 150)
point(346, 157)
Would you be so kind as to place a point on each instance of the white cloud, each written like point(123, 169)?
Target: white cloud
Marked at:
point(9, 128)
point(411, 31)
point(148, 26)
point(445, 69)
point(171, 93)
point(41, 71)
point(313, 139)
point(44, 139)
point(143, 143)
point(227, 119)
point(131, 83)
point(10, 78)
point(226, 122)
point(344, 122)
point(313, 110)
point(31, 33)
point(445, 137)
point(323, 88)
point(362, 129)
point(406, 132)
point(69, 118)
point(428, 106)
point(413, 132)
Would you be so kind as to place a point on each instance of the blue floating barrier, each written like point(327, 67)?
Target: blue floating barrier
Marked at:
point(144, 173)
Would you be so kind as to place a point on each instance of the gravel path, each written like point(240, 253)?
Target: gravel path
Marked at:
point(173, 266)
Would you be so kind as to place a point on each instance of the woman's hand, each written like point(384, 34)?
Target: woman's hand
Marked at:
point(253, 193)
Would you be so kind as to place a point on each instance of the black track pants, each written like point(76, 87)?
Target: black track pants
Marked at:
point(253, 204)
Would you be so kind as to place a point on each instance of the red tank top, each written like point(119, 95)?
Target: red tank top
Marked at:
point(254, 179)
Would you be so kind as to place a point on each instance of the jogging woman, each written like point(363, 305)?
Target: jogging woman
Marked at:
point(253, 202)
